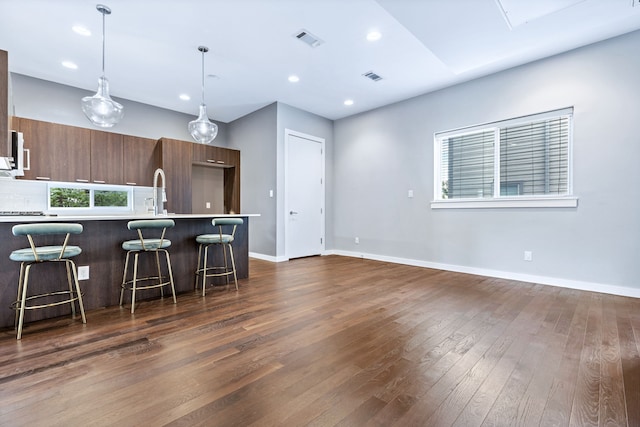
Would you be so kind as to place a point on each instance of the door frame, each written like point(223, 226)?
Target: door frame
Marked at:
point(285, 215)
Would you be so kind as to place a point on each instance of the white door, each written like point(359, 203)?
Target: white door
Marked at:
point(304, 195)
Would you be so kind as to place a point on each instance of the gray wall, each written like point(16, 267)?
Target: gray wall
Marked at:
point(255, 136)
point(260, 138)
point(374, 158)
point(382, 154)
point(301, 121)
point(50, 102)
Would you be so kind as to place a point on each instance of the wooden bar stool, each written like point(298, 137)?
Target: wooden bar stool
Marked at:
point(34, 255)
point(147, 245)
point(217, 239)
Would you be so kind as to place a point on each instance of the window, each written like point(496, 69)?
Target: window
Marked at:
point(84, 197)
point(518, 162)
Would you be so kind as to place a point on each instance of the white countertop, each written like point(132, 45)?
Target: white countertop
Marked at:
point(113, 217)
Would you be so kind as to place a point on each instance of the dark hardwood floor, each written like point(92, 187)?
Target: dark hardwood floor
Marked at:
point(339, 341)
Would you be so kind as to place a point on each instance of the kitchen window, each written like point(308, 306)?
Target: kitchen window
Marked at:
point(520, 162)
point(85, 197)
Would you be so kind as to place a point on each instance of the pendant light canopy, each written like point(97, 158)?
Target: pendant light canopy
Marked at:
point(100, 109)
point(201, 129)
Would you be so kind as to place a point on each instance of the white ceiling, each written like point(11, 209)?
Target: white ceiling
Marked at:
point(152, 56)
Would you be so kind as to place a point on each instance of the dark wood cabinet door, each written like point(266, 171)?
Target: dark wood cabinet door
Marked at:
point(140, 160)
point(106, 157)
point(212, 155)
point(56, 152)
point(4, 104)
point(232, 181)
point(176, 163)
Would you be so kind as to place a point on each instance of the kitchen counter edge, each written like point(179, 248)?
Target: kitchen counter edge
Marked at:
point(116, 217)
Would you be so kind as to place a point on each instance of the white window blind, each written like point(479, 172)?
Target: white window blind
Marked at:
point(468, 165)
point(523, 157)
point(534, 158)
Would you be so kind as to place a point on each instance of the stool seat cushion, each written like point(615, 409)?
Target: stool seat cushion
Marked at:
point(149, 244)
point(45, 253)
point(209, 239)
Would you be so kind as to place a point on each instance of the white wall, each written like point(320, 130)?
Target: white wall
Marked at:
point(382, 154)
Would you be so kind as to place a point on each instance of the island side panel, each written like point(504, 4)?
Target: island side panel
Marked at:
point(101, 243)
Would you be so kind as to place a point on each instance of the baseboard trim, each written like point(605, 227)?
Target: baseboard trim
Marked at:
point(543, 280)
point(267, 257)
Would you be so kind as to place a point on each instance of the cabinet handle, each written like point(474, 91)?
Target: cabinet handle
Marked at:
point(28, 158)
point(220, 161)
point(81, 180)
point(98, 181)
point(211, 161)
point(131, 183)
point(43, 178)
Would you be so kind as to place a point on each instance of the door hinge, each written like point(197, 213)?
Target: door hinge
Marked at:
point(321, 240)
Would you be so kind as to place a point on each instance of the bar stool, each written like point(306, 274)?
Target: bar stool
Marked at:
point(147, 245)
point(34, 255)
point(217, 239)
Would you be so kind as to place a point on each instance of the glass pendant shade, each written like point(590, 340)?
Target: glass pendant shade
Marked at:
point(201, 129)
point(100, 109)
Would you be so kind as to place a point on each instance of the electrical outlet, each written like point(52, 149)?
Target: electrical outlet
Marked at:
point(528, 256)
point(83, 272)
point(357, 240)
point(207, 205)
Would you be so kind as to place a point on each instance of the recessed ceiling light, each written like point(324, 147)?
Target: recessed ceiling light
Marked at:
point(79, 29)
point(374, 36)
point(348, 102)
point(294, 79)
point(185, 97)
point(70, 65)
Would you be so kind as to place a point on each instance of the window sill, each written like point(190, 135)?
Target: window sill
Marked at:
point(520, 202)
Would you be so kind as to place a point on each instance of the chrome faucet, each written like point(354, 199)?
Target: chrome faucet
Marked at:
point(158, 208)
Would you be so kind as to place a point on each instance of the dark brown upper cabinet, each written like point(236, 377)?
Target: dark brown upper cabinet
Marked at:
point(55, 152)
point(106, 157)
point(141, 159)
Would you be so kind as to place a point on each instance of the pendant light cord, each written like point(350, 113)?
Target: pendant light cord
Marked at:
point(103, 43)
point(203, 51)
point(104, 10)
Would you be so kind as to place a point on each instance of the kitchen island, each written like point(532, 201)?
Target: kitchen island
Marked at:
point(101, 242)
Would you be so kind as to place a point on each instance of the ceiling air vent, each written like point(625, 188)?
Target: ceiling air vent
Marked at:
point(372, 76)
point(308, 38)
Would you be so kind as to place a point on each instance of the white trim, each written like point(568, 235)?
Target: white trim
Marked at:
point(267, 257)
point(566, 111)
point(505, 202)
point(625, 291)
point(566, 200)
point(321, 141)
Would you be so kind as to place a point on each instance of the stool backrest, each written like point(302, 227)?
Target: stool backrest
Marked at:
point(47, 229)
point(148, 224)
point(219, 222)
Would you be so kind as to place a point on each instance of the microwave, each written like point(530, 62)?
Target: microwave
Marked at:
point(17, 152)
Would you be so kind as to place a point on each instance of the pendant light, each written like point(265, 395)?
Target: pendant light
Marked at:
point(201, 129)
point(100, 109)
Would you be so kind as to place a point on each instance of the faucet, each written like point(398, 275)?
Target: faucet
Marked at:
point(159, 208)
